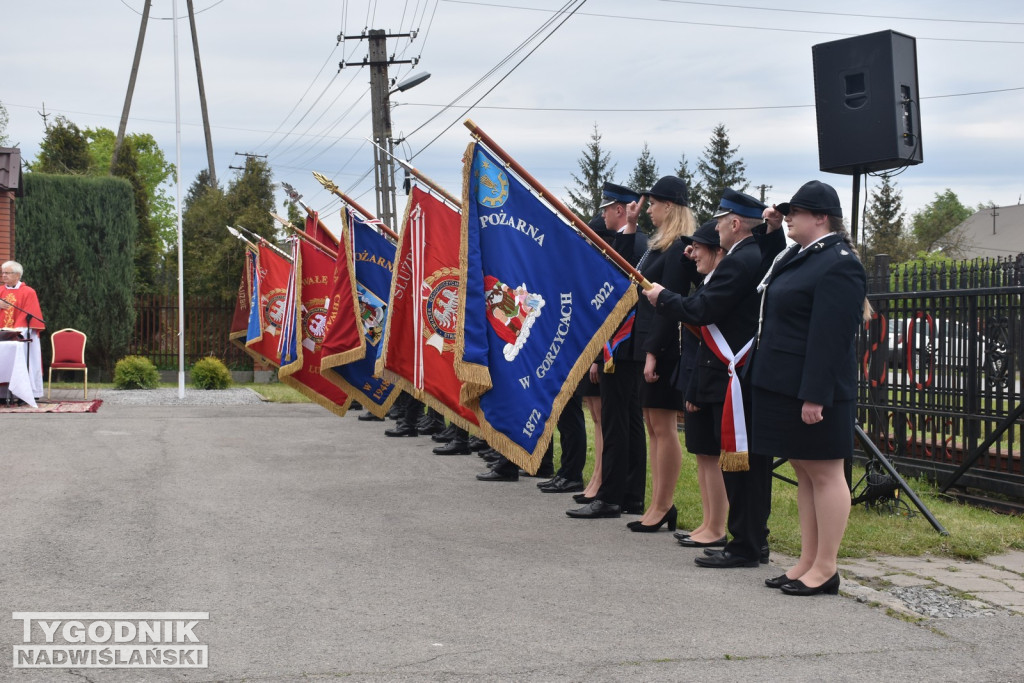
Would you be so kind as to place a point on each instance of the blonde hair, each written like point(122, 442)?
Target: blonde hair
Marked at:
point(679, 221)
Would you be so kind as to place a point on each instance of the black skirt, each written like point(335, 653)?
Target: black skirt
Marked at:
point(778, 431)
point(663, 393)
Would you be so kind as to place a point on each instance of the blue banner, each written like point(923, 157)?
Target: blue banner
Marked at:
point(539, 303)
point(373, 263)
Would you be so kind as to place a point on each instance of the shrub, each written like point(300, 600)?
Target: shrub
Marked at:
point(136, 372)
point(210, 373)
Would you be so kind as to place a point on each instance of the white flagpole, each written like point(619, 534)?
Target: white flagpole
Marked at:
point(181, 276)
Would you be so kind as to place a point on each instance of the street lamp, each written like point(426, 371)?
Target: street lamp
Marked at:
point(411, 82)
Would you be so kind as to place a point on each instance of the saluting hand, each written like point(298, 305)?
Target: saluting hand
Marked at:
point(633, 215)
point(773, 217)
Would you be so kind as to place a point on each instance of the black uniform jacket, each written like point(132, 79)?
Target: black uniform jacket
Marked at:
point(632, 247)
point(813, 307)
point(674, 272)
point(730, 301)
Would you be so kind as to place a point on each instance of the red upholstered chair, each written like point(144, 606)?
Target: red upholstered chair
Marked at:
point(68, 354)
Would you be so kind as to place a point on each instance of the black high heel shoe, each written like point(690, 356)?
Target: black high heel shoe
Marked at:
point(778, 581)
point(670, 518)
point(798, 587)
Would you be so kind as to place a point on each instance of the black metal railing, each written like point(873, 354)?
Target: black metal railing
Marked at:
point(940, 364)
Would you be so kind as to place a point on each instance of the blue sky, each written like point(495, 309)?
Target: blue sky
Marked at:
point(680, 68)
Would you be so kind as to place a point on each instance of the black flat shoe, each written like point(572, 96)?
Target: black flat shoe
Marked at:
point(401, 430)
point(723, 560)
point(680, 535)
point(445, 435)
point(669, 518)
point(594, 510)
point(798, 587)
point(563, 486)
point(778, 581)
point(369, 417)
point(688, 542)
point(453, 448)
point(581, 499)
point(498, 475)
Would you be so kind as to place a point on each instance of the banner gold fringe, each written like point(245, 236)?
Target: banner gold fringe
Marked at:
point(476, 378)
point(317, 398)
point(734, 461)
point(352, 355)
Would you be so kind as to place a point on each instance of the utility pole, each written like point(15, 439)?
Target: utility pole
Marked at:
point(202, 95)
point(247, 155)
point(131, 89)
point(764, 188)
point(994, 214)
point(131, 85)
point(383, 161)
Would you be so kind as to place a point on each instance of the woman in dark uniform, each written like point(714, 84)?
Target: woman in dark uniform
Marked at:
point(666, 263)
point(804, 376)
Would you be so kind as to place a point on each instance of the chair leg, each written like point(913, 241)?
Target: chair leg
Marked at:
point(86, 384)
point(49, 385)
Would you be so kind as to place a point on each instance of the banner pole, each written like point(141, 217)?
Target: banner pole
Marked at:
point(301, 234)
point(331, 187)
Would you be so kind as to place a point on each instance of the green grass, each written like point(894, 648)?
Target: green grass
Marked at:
point(973, 532)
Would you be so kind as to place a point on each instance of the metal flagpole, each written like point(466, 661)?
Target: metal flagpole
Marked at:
point(177, 152)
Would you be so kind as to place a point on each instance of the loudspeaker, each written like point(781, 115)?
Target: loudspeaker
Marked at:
point(867, 104)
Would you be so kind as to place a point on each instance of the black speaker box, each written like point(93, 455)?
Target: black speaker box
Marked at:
point(867, 103)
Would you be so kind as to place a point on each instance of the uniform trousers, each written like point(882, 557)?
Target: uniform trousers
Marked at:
point(572, 435)
point(624, 459)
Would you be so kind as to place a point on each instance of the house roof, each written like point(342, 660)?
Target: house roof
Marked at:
point(10, 169)
point(986, 236)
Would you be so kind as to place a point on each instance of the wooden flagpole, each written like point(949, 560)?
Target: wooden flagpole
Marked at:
point(261, 240)
point(420, 176)
point(301, 234)
point(330, 186)
point(617, 258)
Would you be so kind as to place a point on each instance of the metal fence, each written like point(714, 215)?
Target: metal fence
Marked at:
point(207, 324)
point(940, 362)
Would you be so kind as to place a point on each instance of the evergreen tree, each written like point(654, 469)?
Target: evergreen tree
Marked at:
point(692, 184)
point(883, 223)
point(4, 120)
point(933, 226)
point(213, 257)
point(596, 168)
point(644, 175)
point(717, 169)
point(147, 242)
point(76, 239)
point(64, 149)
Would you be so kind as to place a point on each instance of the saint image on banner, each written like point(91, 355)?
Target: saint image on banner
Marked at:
point(511, 313)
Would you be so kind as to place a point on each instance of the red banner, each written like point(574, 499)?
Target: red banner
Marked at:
point(313, 281)
point(343, 336)
point(274, 271)
point(419, 347)
point(318, 231)
point(243, 302)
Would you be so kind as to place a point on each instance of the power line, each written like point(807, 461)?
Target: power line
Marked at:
point(843, 14)
point(661, 20)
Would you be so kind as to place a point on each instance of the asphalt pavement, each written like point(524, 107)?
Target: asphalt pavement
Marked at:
point(319, 549)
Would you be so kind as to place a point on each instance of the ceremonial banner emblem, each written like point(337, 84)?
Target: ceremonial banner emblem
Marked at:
point(537, 303)
point(373, 258)
point(311, 275)
point(419, 349)
point(267, 316)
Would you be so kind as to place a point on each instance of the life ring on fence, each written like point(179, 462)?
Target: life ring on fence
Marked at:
point(909, 344)
point(873, 347)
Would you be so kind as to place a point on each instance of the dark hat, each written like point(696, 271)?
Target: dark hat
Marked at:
point(612, 193)
point(816, 197)
point(670, 189)
point(706, 234)
point(739, 204)
point(597, 223)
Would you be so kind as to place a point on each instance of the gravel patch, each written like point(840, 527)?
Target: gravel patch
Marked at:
point(938, 602)
point(193, 397)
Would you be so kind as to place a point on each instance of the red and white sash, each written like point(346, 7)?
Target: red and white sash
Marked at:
point(734, 425)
